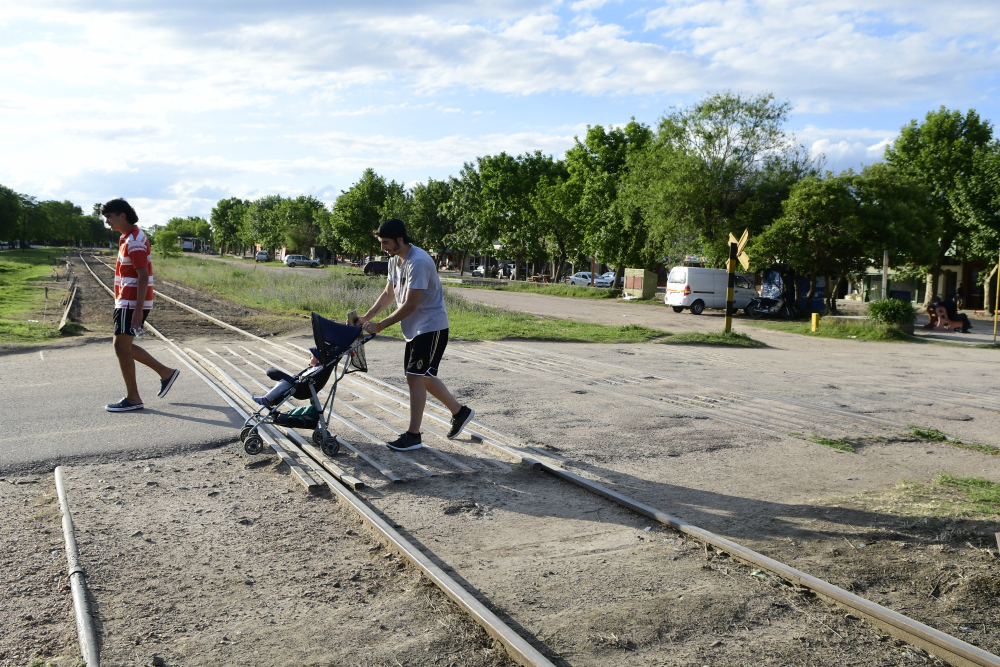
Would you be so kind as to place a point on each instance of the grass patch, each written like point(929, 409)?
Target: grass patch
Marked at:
point(984, 494)
point(840, 443)
point(554, 289)
point(934, 435)
point(334, 293)
point(23, 278)
point(845, 330)
point(722, 338)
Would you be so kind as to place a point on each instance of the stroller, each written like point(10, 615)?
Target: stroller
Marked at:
point(334, 341)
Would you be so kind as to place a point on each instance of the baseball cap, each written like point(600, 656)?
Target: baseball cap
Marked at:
point(393, 228)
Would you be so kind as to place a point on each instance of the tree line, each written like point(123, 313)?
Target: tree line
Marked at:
point(635, 196)
point(26, 219)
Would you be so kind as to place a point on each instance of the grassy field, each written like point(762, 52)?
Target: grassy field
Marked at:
point(546, 288)
point(333, 293)
point(843, 330)
point(23, 278)
point(719, 338)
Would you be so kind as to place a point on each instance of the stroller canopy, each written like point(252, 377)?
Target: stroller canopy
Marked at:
point(333, 339)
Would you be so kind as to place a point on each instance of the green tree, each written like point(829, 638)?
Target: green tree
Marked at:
point(506, 207)
point(226, 220)
point(464, 208)
point(614, 230)
point(940, 153)
point(10, 214)
point(165, 243)
point(262, 224)
point(429, 221)
point(302, 218)
point(357, 213)
point(697, 180)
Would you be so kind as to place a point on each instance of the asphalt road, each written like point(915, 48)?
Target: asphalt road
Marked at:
point(53, 408)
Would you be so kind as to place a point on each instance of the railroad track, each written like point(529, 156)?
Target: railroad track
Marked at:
point(236, 371)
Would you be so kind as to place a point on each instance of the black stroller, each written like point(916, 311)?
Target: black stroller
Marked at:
point(334, 341)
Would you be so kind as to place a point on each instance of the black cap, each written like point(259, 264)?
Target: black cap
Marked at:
point(393, 228)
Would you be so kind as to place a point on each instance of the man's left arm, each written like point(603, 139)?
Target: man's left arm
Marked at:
point(141, 285)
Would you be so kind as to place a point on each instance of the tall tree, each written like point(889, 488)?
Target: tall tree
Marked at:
point(357, 213)
point(226, 220)
point(10, 214)
point(704, 166)
point(614, 230)
point(302, 219)
point(262, 224)
point(939, 153)
point(432, 227)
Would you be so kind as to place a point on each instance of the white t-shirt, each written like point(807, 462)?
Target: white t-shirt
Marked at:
point(417, 271)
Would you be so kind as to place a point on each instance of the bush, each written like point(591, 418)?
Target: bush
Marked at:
point(165, 243)
point(892, 311)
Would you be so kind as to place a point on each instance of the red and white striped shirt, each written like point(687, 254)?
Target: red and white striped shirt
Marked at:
point(133, 253)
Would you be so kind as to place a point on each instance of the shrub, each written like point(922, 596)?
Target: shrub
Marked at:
point(892, 311)
point(165, 243)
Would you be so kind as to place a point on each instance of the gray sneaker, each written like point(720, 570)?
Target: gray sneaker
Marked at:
point(406, 442)
point(165, 385)
point(123, 406)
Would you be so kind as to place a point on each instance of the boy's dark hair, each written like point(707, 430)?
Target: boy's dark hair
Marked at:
point(393, 228)
point(120, 206)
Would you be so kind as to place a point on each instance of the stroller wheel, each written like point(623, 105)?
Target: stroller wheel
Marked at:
point(253, 445)
point(331, 445)
point(319, 435)
point(245, 431)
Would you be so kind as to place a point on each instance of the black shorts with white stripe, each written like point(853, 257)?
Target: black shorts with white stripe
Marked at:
point(423, 353)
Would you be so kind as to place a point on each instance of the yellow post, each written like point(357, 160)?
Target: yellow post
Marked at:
point(815, 321)
point(996, 306)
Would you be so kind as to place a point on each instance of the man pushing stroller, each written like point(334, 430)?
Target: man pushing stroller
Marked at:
point(414, 284)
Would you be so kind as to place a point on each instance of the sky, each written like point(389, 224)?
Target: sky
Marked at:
point(175, 105)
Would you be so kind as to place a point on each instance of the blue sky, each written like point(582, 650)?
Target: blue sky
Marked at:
point(175, 105)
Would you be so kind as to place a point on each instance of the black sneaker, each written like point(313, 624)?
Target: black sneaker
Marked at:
point(165, 385)
point(460, 421)
point(406, 442)
point(123, 406)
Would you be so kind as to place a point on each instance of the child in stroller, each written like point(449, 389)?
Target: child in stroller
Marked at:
point(334, 342)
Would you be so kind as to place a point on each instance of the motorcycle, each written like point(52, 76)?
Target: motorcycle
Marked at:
point(761, 306)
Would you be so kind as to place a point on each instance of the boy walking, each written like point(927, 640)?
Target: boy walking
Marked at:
point(133, 300)
point(414, 284)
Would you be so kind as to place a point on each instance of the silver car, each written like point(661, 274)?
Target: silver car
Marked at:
point(580, 278)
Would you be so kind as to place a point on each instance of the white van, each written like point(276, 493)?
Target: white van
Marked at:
point(698, 289)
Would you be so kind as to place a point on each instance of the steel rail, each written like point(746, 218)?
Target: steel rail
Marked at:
point(77, 581)
point(945, 646)
point(519, 649)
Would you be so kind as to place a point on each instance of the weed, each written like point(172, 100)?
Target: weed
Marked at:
point(886, 333)
point(724, 338)
point(934, 435)
point(840, 443)
point(978, 489)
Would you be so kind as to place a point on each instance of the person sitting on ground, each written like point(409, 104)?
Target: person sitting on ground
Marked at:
point(953, 315)
point(932, 318)
point(284, 384)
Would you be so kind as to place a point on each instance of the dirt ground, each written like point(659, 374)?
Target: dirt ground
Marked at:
point(720, 438)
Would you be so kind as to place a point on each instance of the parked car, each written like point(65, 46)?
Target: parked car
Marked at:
point(479, 271)
point(698, 289)
point(261, 256)
point(187, 246)
point(606, 280)
point(580, 278)
point(296, 260)
point(376, 268)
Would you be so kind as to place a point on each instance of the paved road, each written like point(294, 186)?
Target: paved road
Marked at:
point(54, 400)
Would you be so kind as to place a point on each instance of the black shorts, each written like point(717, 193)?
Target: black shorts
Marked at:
point(123, 320)
point(423, 353)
